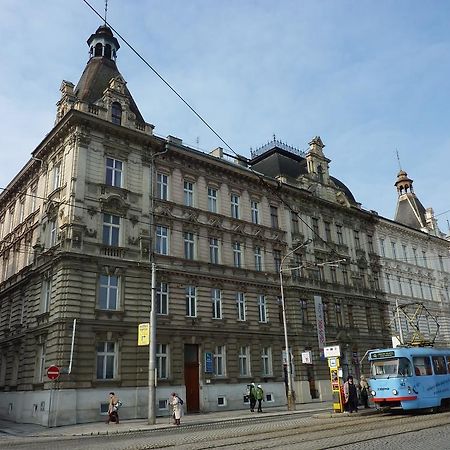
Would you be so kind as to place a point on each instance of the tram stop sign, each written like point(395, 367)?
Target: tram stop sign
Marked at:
point(53, 372)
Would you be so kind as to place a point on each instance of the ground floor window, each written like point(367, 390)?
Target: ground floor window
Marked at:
point(106, 360)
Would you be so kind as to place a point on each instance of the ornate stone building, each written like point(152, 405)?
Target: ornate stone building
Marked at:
point(79, 223)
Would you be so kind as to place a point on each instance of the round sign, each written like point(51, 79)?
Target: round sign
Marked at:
point(53, 372)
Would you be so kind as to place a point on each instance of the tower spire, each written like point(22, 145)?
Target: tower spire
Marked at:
point(106, 10)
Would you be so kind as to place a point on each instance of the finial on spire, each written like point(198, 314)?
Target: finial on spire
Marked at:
point(106, 9)
point(398, 159)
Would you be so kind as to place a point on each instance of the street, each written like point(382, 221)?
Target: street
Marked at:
point(296, 431)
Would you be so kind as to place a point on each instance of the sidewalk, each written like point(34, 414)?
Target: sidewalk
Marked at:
point(135, 425)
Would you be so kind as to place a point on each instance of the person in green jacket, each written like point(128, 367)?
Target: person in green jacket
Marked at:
point(259, 396)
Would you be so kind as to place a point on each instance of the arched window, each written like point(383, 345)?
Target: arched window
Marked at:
point(320, 173)
point(107, 51)
point(116, 113)
point(98, 49)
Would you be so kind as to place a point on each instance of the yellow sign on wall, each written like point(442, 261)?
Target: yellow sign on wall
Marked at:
point(144, 334)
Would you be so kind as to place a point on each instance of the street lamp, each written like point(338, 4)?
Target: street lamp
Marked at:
point(291, 393)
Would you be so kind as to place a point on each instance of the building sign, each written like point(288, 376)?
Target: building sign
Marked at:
point(320, 322)
point(307, 357)
point(332, 351)
point(209, 362)
point(381, 355)
point(144, 334)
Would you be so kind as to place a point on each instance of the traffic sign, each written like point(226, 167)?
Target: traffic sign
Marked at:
point(53, 372)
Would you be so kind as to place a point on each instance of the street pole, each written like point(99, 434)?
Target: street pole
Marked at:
point(291, 392)
point(152, 354)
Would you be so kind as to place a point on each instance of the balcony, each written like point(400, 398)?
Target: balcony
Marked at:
point(112, 252)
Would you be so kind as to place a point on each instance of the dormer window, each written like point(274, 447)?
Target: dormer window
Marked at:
point(107, 51)
point(98, 51)
point(116, 113)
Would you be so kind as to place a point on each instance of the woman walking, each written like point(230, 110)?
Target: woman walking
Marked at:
point(176, 404)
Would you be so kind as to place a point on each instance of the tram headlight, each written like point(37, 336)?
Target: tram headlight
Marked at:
point(373, 393)
point(394, 392)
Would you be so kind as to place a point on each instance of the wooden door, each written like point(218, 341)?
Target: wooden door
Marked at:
point(191, 377)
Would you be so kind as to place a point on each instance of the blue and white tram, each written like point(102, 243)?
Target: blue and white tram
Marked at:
point(410, 377)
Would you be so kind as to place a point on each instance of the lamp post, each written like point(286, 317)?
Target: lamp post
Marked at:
point(291, 393)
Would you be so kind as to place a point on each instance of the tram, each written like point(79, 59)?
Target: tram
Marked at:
point(410, 377)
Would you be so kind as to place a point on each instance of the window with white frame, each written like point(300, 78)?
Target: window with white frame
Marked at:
point(46, 294)
point(214, 250)
point(394, 250)
point(266, 361)
point(235, 211)
point(106, 360)
point(191, 301)
point(162, 186)
point(216, 299)
point(109, 297)
point(111, 230)
point(162, 361)
point(189, 245)
point(162, 298)
point(11, 220)
point(294, 223)
point(255, 212)
point(237, 254)
point(33, 196)
point(56, 176)
point(53, 232)
point(219, 361)
point(340, 235)
point(212, 199)
point(188, 193)
point(382, 248)
point(258, 259)
point(162, 240)
point(262, 308)
point(40, 363)
point(244, 361)
point(21, 210)
point(114, 169)
point(240, 304)
point(277, 260)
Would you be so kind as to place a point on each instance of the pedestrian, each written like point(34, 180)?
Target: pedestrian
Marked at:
point(259, 397)
point(176, 404)
point(350, 395)
point(364, 389)
point(113, 408)
point(252, 396)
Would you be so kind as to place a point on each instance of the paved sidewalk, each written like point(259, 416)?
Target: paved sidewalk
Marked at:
point(134, 425)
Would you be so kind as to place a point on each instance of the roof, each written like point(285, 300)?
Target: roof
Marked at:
point(410, 211)
point(95, 79)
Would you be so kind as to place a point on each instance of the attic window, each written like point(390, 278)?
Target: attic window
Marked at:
point(98, 49)
point(116, 113)
point(107, 51)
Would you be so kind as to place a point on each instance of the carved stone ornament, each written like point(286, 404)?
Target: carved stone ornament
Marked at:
point(114, 204)
point(134, 219)
point(91, 232)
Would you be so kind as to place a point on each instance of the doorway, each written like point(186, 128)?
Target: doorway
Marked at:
point(191, 377)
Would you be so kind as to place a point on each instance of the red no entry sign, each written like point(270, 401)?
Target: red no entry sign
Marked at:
point(53, 372)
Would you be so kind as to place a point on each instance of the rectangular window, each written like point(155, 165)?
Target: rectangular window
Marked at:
point(162, 298)
point(33, 195)
point(255, 212)
point(109, 292)
point(240, 305)
point(11, 220)
point(370, 243)
point(162, 361)
point(244, 361)
point(53, 232)
point(274, 216)
point(315, 228)
point(189, 245)
point(235, 212)
point(188, 193)
point(56, 176)
point(262, 309)
point(382, 249)
point(421, 289)
point(162, 240)
point(394, 250)
point(114, 172)
point(214, 250)
point(40, 363)
point(441, 263)
point(106, 360)
point(219, 361)
point(277, 260)
point(237, 254)
point(400, 288)
point(351, 322)
point(327, 226)
point(46, 294)
point(340, 236)
point(439, 366)
point(430, 289)
point(216, 300)
point(338, 312)
point(162, 186)
point(369, 317)
point(21, 210)
point(266, 361)
point(405, 253)
point(111, 230)
point(357, 240)
point(416, 261)
point(258, 259)
point(333, 274)
point(212, 200)
point(345, 275)
point(303, 304)
point(388, 283)
point(294, 223)
point(424, 258)
point(422, 365)
point(191, 301)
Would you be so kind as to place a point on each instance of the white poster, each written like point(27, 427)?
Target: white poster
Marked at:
point(320, 322)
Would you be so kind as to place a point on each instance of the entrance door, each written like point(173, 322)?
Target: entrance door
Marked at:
point(191, 377)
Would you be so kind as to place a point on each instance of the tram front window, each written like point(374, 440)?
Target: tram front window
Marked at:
point(391, 368)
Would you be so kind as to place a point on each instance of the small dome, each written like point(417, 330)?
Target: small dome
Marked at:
point(104, 30)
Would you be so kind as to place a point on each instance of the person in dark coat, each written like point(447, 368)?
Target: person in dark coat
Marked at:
point(350, 395)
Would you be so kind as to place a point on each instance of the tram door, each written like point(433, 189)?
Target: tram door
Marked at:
point(191, 377)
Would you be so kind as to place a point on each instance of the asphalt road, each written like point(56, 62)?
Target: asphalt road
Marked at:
point(350, 432)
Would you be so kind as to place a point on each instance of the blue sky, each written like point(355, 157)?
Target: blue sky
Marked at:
point(368, 77)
